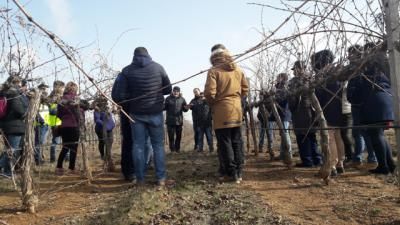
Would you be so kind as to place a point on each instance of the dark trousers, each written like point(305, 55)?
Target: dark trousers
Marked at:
point(70, 138)
point(196, 136)
point(174, 142)
point(382, 149)
point(308, 149)
point(127, 165)
point(346, 135)
point(105, 141)
point(230, 151)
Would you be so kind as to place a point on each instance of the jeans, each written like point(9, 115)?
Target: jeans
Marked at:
point(7, 162)
point(382, 149)
point(127, 165)
point(40, 139)
point(361, 140)
point(149, 153)
point(196, 136)
point(152, 124)
point(270, 134)
point(308, 149)
point(201, 132)
point(174, 142)
point(230, 151)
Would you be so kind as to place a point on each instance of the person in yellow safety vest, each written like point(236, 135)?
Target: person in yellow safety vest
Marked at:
point(54, 121)
point(41, 125)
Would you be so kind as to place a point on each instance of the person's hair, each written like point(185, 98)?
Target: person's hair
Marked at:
point(321, 59)
point(71, 87)
point(355, 50)
point(58, 83)
point(376, 59)
point(377, 63)
point(284, 76)
point(12, 80)
point(196, 89)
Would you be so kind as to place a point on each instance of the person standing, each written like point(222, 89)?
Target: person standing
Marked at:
point(303, 117)
point(142, 85)
point(127, 161)
point(194, 106)
point(373, 93)
point(175, 105)
point(41, 125)
point(204, 125)
point(55, 122)
point(12, 124)
point(330, 98)
point(71, 114)
point(224, 89)
point(361, 140)
point(104, 125)
point(283, 111)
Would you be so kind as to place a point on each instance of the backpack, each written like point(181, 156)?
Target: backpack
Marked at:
point(3, 107)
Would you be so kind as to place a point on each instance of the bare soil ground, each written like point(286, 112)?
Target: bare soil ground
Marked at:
point(269, 194)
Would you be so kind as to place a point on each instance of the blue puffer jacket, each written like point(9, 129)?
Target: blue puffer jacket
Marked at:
point(142, 77)
point(331, 103)
point(374, 100)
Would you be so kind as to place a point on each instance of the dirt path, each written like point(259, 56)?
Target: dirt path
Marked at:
point(353, 198)
point(63, 200)
point(270, 194)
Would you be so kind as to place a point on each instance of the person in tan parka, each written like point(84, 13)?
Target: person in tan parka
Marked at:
point(224, 89)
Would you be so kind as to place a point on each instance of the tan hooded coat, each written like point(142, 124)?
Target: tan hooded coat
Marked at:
point(224, 88)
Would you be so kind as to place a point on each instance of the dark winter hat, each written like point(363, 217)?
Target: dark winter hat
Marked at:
point(299, 64)
point(141, 51)
point(218, 46)
point(176, 88)
point(43, 86)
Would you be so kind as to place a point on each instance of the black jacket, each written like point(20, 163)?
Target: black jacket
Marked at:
point(201, 113)
point(175, 106)
point(196, 110)
point(143, 79)
point(14, 121)
point(303, 114)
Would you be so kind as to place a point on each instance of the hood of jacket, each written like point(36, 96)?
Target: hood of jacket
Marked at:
point(142, 60)
point(223, 60)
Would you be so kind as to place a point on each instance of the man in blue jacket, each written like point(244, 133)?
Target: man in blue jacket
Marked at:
point(142, 85)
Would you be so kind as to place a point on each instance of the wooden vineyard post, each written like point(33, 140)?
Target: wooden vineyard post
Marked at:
point(29, 199)
point(326, 167)
point(246, 120)
point(82, 140)
point(252, 123)
point(391, 9)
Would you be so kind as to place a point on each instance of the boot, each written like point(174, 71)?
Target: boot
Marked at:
point(271, 154)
